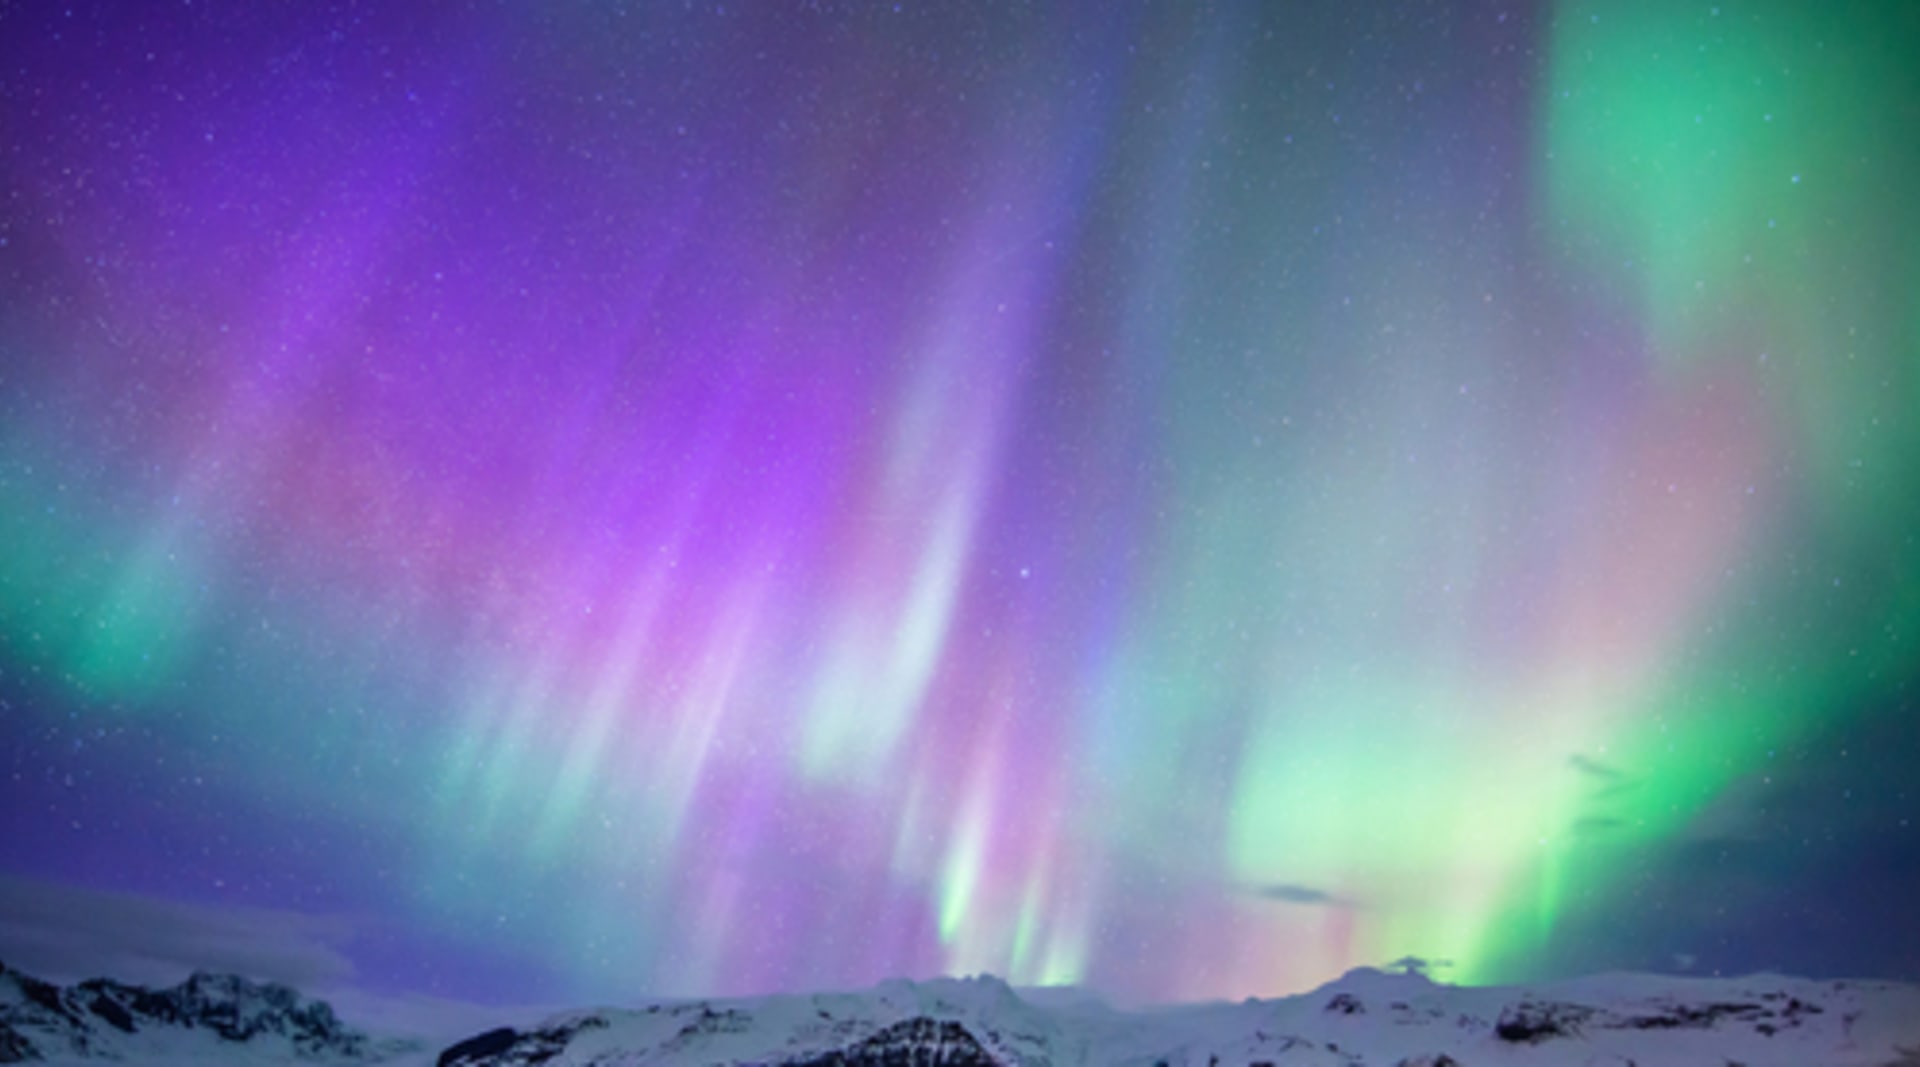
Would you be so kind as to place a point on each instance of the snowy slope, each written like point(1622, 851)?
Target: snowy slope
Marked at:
point(1365, 1018)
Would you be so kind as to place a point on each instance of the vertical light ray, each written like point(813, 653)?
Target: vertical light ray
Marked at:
point(698, 720)
point(883, 657)
point(608, 702)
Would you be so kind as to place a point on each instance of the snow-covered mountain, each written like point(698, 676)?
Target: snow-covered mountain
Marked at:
point(207, 1018)
point(1365, 1019)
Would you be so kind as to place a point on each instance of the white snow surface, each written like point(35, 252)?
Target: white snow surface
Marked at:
point(1398, 1021)
point(1363, 1019)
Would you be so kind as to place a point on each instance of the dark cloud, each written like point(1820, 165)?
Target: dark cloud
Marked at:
point(64, 933)
point(1593, 768)
point(1300, 894)
point(1419, 965)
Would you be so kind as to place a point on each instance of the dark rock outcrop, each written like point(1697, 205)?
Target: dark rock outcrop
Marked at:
point(1701, 1016)
point(1531, 1022)
point(506, 1047)
point(1345, 1004)
point(479, 1048)
point(14, 1047)
point(916, 1042)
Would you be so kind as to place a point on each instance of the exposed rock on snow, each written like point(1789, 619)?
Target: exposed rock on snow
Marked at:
point(1532, 1022)
point(917, 1042)
point(1346, 1004)
point(508, 1046)
point(481, 1048)
point(205, 1015)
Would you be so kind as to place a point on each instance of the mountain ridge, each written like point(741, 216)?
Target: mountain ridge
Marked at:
point(1366, 1018)
point(103, 1018)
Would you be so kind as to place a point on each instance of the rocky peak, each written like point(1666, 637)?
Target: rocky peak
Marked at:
point(38, 1018)
point(916, 1042)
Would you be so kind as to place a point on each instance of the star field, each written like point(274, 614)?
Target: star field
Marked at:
point(604, 500)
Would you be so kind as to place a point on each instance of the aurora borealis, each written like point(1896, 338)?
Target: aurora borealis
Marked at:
point(603, 500)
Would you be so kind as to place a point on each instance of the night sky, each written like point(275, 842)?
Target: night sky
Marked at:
point(566, 502)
